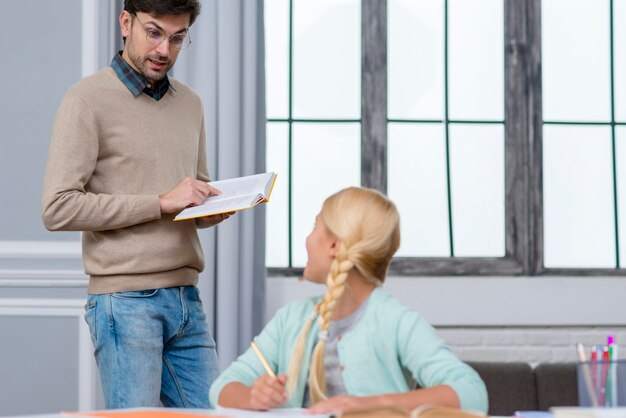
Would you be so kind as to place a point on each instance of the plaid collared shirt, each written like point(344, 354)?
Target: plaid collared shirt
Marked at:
point(136, 82)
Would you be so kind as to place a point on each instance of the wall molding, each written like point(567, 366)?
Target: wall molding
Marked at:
point(72, 308)
point(47, 250)
point(43, 278)
point(44, 259)
point(33, 306)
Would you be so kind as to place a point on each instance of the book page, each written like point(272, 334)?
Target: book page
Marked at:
point(248, 185)
point(219, 206)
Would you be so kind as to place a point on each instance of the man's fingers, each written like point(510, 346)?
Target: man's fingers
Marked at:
point(213, 190)
point(200, 196)
point(203, 188)
point(189, 192)
point(199, 191)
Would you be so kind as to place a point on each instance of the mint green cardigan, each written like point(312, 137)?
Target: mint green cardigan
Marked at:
point(389, 350)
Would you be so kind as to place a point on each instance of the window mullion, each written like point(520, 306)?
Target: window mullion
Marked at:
point(535, 137)
point(374, 94)
point(519, 93)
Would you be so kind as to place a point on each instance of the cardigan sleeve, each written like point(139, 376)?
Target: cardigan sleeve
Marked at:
point(432, 363)
point(247, 368)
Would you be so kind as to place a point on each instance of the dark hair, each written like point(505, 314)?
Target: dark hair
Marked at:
point(158, 8)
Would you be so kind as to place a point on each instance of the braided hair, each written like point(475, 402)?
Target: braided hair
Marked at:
point(367, 226)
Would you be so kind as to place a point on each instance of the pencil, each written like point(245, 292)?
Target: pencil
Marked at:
point(258, 353)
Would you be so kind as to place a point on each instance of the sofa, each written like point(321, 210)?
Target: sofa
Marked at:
point(516, 386)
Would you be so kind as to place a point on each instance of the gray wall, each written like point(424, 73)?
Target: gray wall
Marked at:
point(46, 360)
point(41, 60)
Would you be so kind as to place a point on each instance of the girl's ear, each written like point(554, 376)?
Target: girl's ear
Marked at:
point(333, 247)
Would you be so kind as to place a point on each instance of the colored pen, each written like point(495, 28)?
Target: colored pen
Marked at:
point(594, 367)
point(611, 384)
point(603, 379)
point(266, 366)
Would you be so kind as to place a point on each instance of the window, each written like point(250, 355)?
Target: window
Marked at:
point(445, 131)
point(313, 56)
point(438, 103)
point(583, 133)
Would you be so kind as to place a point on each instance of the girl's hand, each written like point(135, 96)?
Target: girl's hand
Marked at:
point(267, 392)
point(343, 404)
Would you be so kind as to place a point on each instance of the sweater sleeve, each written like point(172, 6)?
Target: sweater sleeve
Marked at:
point(66, 204)
point(203, 170)
point(431, 363)
point(247, 368)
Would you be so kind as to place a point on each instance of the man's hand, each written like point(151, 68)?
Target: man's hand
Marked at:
point(212, 220)
point(190, 192)
point(267, 392)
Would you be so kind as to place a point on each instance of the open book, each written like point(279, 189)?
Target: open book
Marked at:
point(237, 194)
point(426, 411)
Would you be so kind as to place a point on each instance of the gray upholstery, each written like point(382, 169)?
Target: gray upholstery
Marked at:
point(518, 387)
point(511, 386)
point(556, 385)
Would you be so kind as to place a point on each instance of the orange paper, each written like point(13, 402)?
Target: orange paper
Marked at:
point(138, 414)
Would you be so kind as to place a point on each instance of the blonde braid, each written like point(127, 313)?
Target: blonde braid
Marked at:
point(293, 375)
point(336, 284)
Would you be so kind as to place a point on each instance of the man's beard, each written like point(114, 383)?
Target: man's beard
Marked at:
point(142, 65)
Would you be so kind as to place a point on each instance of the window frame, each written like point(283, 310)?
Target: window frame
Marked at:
point(374, 140)
point(523, 124)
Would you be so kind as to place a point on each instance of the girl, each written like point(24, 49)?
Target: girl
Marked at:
point(355, 348)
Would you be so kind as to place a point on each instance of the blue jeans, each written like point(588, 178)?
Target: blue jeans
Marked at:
point(153, 348)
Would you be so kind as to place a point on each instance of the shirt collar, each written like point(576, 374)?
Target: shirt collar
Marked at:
point(136, 82)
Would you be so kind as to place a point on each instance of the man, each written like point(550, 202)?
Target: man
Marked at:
point(127, 153)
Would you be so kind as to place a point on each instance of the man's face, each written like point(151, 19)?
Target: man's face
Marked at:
point(149, 58)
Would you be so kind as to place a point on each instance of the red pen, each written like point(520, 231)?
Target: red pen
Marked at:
point(593, 358)
point(605, 368)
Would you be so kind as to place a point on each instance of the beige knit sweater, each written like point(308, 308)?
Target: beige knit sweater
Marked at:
point(111, 155)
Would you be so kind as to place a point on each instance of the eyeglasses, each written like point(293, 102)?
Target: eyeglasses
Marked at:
point(155, 36)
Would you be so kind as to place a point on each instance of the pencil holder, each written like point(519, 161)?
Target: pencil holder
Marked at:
point(602, 383)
